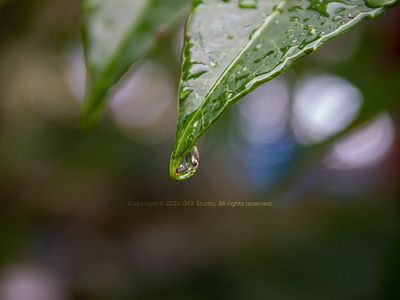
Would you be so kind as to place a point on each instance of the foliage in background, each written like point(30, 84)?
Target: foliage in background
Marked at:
point(117, 35)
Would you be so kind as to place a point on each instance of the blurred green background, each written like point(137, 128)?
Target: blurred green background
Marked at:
point(68, 229)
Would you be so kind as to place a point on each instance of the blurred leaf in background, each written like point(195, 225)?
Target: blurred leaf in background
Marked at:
point(118, 34)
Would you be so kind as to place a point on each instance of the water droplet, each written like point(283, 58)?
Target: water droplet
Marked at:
point(312, 31)
point(189, 164)
point(213, 62)
point(337, 18)
point(295, 8)
point(230, 36)
point(285, 50)
point(184, 92)
point(294, 19)
point(196, 70)
point(258, 47)
point(320, 6)
point(277, 8)
point(248, 3)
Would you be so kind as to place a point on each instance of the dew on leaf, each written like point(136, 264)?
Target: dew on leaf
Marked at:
point(277, 8)
point(312, 31)
point(248, 3)
point(213, 62)
point(184, 92)
point(295, 8)
point(196, 70)
point(319, 6)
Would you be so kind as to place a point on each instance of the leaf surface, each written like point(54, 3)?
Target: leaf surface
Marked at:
point(231, 47)
point(116, 35)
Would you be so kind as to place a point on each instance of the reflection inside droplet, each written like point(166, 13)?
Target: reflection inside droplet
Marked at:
point(189, 164)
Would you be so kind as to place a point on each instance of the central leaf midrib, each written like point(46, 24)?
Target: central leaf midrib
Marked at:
point(267, 21)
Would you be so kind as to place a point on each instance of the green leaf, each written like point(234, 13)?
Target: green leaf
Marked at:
point(116, 35)
point(234, 46)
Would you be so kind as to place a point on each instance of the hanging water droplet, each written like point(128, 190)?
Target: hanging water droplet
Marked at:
point(248, 3)
point(189, 164)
